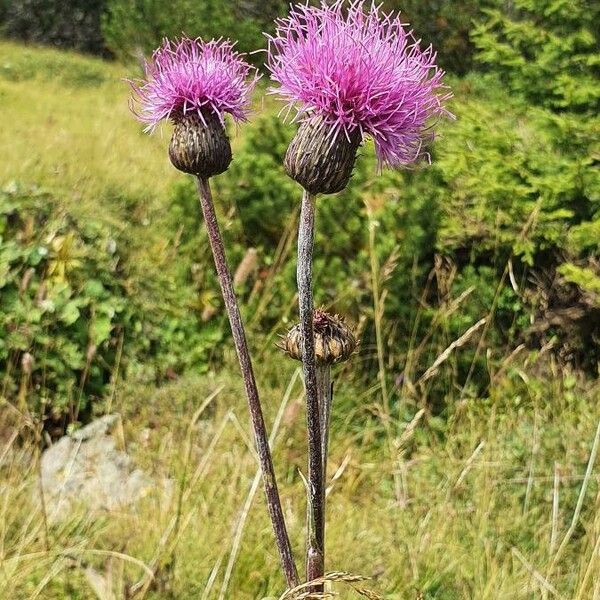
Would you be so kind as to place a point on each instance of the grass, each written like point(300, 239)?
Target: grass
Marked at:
point(485, 502)
point(67, 117)
point(497, 498)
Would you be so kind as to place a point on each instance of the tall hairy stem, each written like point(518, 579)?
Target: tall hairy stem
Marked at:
point(316, 534)
point(325, 392)
point(256, 415)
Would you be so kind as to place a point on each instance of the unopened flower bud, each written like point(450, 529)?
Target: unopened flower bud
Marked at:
point(321, 158)
point(334, 340)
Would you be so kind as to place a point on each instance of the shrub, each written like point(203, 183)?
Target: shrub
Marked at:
point(66, 24)
point(62, 302)
point(544, 51)
point(75, 311)
point(533, 165)
point(132, 27)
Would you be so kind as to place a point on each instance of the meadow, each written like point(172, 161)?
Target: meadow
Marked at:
point(463, 456)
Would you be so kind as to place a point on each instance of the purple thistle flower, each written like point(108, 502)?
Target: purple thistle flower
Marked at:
point(187, 75)
point(359, 69)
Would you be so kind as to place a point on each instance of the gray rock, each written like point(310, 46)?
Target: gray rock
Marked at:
point(87, 468)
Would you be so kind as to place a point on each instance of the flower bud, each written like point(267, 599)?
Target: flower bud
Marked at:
point(334, 340)
point(200, 145)
point(321, 158)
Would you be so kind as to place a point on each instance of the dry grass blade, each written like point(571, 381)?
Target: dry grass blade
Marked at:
point(544, 584)
point(101, 584)
point(301, 592)
point(580, 499)
point(443, 357)
point(410, 428)
point(370, 594)
point(239, 527)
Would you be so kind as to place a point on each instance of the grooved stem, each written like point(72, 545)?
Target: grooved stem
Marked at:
point(316, 533)
point(241, 346)
point(325, 392)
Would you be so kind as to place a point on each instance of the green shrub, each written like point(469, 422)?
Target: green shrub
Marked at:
point(67, 24)
point(544, 51)
point(522, 165)
point(134, 26)
point(75, 311)
point(63, 302)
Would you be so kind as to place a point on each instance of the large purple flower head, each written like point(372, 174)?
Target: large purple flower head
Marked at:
point(189, 76)
point(361, 71)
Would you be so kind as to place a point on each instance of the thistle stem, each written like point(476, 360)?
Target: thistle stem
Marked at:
point(316, 533)
point(325, 392)
point(325, 389)
point(241, 346)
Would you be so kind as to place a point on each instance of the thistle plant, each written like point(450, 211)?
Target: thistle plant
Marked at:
point(349, 72)
point(195, 84)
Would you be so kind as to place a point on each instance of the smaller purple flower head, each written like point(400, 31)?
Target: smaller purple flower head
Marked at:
point(190, 76)
point(361, 72)
point(194, 83)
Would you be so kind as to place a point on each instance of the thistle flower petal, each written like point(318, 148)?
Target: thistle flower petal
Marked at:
point(187, 76)
point(359, 68)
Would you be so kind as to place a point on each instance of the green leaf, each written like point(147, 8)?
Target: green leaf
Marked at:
point(94, 289)
point(70, 313)
point(100, 329)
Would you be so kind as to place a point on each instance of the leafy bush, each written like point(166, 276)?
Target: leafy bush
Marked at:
point(132, 27)
point(446, 24)
point(63, 306)
point(67, 24)
point(75, 312)
point(544, 51)
point(525, 176)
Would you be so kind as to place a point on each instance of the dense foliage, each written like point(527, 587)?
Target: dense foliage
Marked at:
point(75, 311)
point(66, 24)
point(544, 155)
point(503, 225)
point(135, 26)
point(129, 27)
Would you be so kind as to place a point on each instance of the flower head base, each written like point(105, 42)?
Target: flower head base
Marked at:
point(200, 145)
point(334, 340)
point(361, 71)
point(320, 162)
point(189, 76)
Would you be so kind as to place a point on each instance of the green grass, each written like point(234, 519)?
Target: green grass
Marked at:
point(488, 501)
point(463, 508)
point(67, 127)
